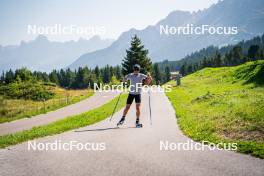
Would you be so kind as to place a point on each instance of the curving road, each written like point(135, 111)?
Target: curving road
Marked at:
point(96, 100)
point(129, 151)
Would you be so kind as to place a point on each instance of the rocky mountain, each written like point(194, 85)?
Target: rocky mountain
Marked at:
point(44, 55)
point(246, 15)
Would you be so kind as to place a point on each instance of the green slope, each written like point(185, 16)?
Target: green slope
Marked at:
point(223, 105)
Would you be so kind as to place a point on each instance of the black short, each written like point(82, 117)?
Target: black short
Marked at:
point(131, 97)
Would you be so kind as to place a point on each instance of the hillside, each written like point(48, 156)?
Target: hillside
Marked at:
point(223, 105)
point(227, 13)
point(210, 52)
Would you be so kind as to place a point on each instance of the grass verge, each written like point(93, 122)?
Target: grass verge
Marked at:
point(223, 105)
point(13, 109)
point(69, 123)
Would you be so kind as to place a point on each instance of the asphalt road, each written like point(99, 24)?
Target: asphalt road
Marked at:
point(128, 151)
point(96, 100)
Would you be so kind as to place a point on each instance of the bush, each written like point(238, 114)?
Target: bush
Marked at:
point(27, 90)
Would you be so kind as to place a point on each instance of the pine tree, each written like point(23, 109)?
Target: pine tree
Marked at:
point(183, 69)
point(69, 79)
point(237, 55)
point(167, 74)
point(24, 74)
point(97, 72)
point(204, 62)
point(136, 54)
point(86, 77)
point(62, 78)
point(210, 62)
point(2, 79)
point(195, 67)
point(261, 55)
point(54, 77)
point(111, 71)
point(79, 79)
point(190, 68)
point(106, 74)
point(217, 60)
point(118, 73)
point(226, 60)
point(254, 52)
point(157, 73)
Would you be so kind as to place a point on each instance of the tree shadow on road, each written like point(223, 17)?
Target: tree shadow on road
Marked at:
point(104, 129)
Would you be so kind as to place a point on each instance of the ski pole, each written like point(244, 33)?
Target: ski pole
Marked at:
point(115, 106)
point(150, 109)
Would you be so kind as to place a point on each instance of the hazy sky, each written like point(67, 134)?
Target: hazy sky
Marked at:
point(116, 16)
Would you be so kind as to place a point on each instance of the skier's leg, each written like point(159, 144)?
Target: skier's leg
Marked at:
point(121, 121)
point(126, 110)
point(138, 103)
point(130, 99)
point(138, 110)
point(138, 124)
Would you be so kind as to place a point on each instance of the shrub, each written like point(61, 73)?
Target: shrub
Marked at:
point(27, 90)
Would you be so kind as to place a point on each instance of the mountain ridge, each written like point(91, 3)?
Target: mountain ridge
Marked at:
point(164, 47)
point(45, 55)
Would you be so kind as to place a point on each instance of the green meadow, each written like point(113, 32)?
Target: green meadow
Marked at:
point(223, 105)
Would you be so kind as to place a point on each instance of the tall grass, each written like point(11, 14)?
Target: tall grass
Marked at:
point(13, 109)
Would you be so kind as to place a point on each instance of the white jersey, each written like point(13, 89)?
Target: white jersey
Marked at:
point(135, 82)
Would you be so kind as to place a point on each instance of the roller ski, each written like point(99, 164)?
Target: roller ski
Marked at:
point(121, 121)
point(138, 124)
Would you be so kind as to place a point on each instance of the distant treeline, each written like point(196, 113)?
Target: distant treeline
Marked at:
point(81, 78)
point(77, 79)
point(85, 77)
point(212, 56)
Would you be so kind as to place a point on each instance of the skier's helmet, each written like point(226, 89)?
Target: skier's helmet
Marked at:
point(136, 67)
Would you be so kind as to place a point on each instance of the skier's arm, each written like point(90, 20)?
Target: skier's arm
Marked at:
point(125, 78)
point(148, 79)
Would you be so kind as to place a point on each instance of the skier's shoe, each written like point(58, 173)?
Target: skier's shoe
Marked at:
point(138, 124)
point(121, 121)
